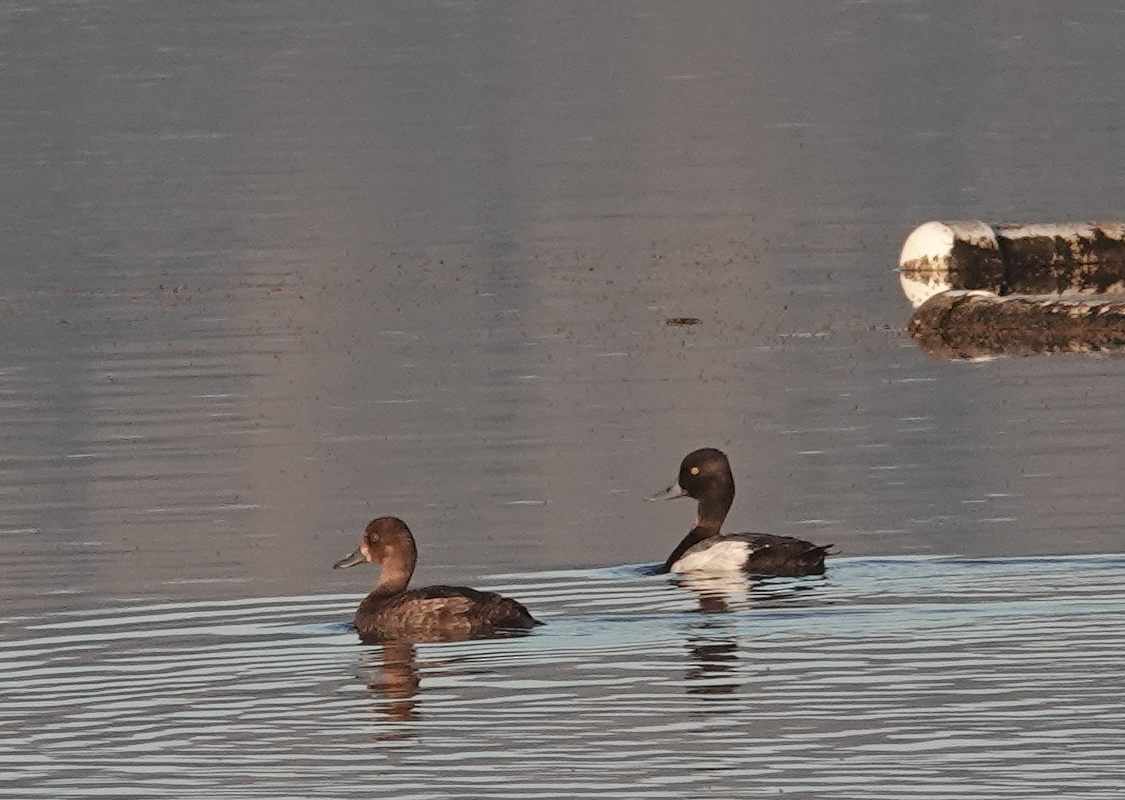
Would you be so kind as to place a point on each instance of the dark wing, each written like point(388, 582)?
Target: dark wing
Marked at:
point(783, 556)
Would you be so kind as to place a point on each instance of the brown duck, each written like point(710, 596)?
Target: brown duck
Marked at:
point(441, 613)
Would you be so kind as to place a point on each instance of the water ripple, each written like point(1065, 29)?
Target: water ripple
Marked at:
point(920, 678)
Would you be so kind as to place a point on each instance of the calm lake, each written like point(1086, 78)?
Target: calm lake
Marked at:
point(271, 269)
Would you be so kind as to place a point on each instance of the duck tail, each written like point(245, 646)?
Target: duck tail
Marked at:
point(813, 557)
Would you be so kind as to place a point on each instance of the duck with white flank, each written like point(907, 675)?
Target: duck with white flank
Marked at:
point(705, 476)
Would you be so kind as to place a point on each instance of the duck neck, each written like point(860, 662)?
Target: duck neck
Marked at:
point(712, 510)
point(694, 537)
point(394, 574)
point(709, 515)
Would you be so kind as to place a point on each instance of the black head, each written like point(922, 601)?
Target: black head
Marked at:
point(705, 476)
point(705, 471)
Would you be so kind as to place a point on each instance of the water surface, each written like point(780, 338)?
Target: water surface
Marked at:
point(268, 270)
point(915, 677)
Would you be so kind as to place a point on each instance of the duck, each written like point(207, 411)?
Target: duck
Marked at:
point(436, 613)
point(705, 476)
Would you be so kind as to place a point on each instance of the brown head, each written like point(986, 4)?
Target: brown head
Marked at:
point(386, 542)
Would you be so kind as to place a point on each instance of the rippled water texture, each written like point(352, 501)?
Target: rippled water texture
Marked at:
point(891, 678)
point(271, 269)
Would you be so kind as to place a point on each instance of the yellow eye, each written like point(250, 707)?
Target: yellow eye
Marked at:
point(694, 470)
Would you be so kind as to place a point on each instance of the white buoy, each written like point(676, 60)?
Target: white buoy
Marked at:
point(1074, 258)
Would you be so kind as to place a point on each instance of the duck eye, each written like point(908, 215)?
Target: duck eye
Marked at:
point(694, 470)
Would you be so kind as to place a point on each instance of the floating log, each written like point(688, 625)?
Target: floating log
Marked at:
point(1078, 258)
point(973, 324)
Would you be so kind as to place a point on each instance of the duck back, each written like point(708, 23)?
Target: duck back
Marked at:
point(439, 612)
point(785, 556)
point(754, 553)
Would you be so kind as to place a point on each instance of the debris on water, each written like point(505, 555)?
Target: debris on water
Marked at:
point(973, 324)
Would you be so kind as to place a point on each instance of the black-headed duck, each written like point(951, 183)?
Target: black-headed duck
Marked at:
point(437, 612)
point(705, 476)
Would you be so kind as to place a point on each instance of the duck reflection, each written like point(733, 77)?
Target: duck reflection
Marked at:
point(714, 667)
point(392, 674)
point(718, 592)
point(722, 592)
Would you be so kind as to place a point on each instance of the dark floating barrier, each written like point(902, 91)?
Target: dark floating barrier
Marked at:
point(985, 290)
point(962, 324)
point(1078, 258)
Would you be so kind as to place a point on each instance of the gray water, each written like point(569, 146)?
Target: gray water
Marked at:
point(892, 678)
point(268, 270)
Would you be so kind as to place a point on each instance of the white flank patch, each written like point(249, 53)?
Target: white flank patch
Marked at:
point(724, 555)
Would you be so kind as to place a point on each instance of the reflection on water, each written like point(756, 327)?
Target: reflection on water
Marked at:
point(714, 667)
point(733, 590)
point(719, 592)
point(393, 677)
point(950, 675)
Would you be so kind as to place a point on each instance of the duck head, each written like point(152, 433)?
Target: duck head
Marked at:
point(704, 476)
point(386, 542)
point(703, 472)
